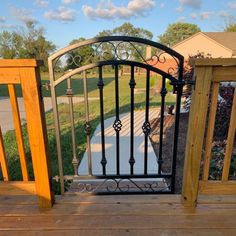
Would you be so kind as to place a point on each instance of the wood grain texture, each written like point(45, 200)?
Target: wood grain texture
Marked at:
point(230, 141)
point(217, 187)
point(214, 62)
point(221, 74)
point(195, 135)
point(34, 110)
point(18, 131)
point(3, 159)
point(9, 76)
point(17, 63)
point(17, 188)
point(78, 214)
point(119, 232)
point(210, 130)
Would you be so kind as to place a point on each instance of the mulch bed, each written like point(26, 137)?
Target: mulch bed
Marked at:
point(168, 138)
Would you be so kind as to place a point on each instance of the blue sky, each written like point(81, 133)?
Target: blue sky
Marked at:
point(65, 20)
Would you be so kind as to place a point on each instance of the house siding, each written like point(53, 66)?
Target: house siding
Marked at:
point(201, 43)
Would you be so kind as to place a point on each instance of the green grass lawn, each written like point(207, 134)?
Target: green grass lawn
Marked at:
point(109, 110)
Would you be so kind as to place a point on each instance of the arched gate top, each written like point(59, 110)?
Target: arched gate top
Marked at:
point(112, 50)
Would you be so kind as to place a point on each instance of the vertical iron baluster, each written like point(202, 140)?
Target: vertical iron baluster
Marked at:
point(87, 126)
point(69, 93)
point(179, 90)
point(100, 86)
point(58, 134)
point(117, 124)
point(163, 94)
point(132, 86)
point(176, 133)
point(146, 125)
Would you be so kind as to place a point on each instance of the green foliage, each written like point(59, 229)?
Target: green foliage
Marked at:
point(177, 32)
point(230, 24)
point(10, 45)
point(29, 43)
point(169, 87)
point(231, 28)
point(128, 29)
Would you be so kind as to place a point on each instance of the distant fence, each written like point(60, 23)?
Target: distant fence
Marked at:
point(25, 72)
point(209, 73)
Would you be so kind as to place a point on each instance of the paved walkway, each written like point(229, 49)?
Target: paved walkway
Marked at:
point(6, 120)
point(110, 140)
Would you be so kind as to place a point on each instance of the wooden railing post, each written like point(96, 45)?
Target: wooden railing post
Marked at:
point(34, 108)
point(195, 135)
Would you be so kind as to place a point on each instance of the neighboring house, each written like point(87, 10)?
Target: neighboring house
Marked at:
point(211, 44)
point(215, 44)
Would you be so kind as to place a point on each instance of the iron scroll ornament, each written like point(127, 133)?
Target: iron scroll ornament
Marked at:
point(118, 186)
point(119, 48)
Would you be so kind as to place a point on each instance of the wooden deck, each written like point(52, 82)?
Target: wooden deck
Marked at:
point(118, 215)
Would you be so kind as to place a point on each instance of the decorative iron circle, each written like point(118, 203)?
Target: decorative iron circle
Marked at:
point(117, 125)
point(163, 92)
point(87, 128)
point(146, 128)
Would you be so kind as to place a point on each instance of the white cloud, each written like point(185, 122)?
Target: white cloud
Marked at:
point(193, 15)
point(107, 10)
point(42, 3)
point(196, 4)
point(2, 19)
point(232, 5)
point(22, 14)
point(224, 14)
point(205, 15)
point(179, 9)
point(182, 19)
point(61, 14)
point(69, 1)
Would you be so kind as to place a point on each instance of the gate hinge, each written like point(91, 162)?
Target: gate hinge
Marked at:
point(179, 85)
point(45, 86)
point(191, 83)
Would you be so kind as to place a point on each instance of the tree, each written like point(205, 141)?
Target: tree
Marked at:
point(105, 51)
point(125, 49)
point(230, 24)
point(10, 44)
point(231, 28)
point(128, 29)
point(177, 32)
point(29, 43)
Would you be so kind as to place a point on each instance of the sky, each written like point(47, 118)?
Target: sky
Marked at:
point(65, 20)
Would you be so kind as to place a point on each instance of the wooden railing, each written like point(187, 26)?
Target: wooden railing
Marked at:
point(209, 73)
point(25, 72)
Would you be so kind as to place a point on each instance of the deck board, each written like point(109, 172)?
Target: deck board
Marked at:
point(76, 214)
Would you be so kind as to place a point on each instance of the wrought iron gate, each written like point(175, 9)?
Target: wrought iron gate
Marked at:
point(152, 59)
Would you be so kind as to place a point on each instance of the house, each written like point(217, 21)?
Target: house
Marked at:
point(211, 44)
point(214, 44)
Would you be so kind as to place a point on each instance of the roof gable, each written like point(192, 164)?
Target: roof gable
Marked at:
point(225, 39)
